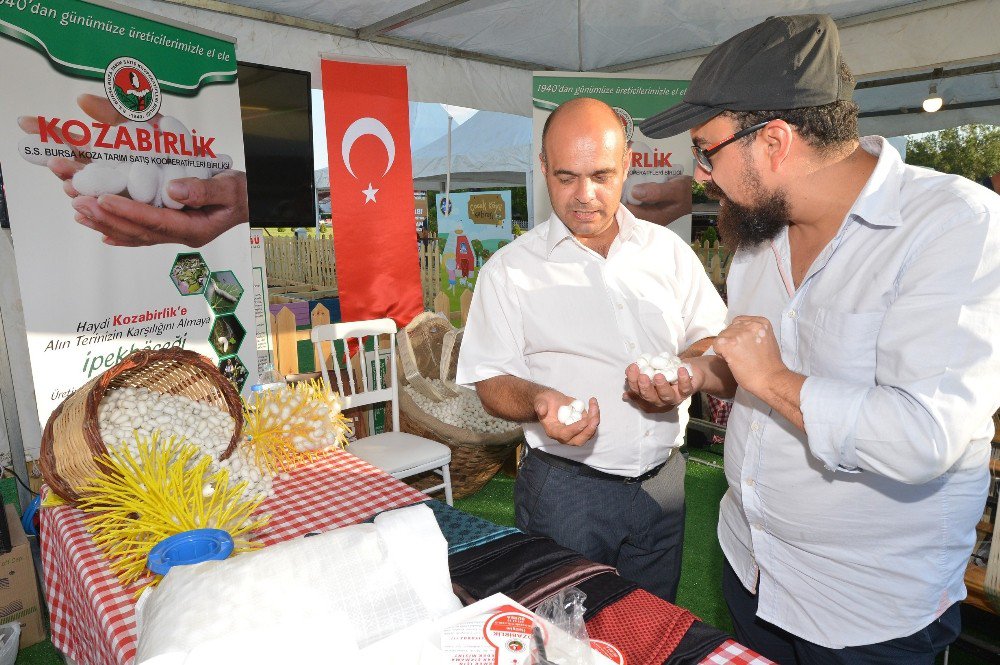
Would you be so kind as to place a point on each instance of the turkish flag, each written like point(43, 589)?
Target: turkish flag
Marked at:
point(371, 191)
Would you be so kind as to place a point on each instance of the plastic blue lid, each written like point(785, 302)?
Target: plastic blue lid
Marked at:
point(189, 547)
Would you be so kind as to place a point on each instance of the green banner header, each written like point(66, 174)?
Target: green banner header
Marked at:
point(82, 39)
point(642, 98)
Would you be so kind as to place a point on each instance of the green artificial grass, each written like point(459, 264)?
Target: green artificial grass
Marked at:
point(42, 653)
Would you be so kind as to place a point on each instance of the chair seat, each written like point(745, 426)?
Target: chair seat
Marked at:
point(400, 454)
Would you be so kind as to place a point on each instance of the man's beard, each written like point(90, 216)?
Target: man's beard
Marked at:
point(745, 226)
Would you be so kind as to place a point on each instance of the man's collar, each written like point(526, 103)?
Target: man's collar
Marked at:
point(878, 202)
point(558, 232)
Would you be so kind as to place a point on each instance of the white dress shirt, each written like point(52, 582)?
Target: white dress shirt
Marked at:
point(550, 310)
point(861, 527)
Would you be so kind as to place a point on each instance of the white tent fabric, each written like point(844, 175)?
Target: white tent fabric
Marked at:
point(428, 123)
point(488, 150)
point(879, 37)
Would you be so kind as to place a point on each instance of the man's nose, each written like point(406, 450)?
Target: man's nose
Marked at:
point(585, 190)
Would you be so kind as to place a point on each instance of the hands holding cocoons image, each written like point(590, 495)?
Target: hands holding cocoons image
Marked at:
point(139, 197)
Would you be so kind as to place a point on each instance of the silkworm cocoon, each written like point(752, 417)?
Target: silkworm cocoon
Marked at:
point(170, 124)
point(170, 172)
point(199, 172)
point(96, 179)
point(568, 415)
point(221, 162)
point(659, 362)
point(144, 182)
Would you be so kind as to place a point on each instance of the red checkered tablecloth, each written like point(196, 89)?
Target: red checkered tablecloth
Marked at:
point(731, 652)
point(92, 615)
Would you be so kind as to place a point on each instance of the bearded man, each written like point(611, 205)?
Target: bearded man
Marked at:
point(864, 337)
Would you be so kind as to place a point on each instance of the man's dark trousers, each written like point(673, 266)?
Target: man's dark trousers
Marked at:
point(637, 527)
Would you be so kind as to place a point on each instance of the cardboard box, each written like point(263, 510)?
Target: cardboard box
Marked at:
point(18, 590)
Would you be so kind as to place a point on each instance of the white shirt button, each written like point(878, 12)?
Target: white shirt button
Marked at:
point(792, 314)
point(749, 481)
point(755, 426)
point(620, 306)
point(630, 345)
point(758, 526)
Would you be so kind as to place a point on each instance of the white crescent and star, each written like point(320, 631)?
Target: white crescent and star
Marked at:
point(362, 127)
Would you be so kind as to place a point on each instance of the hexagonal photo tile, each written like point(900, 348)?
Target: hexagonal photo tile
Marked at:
point(233, 369)
point(226, 335)
point(189, 273)
point(223, 292)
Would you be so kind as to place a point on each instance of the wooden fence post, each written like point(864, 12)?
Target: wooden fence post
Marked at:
point(442, 305)
point(465, 301)
point(320, 316)
point(286, 351)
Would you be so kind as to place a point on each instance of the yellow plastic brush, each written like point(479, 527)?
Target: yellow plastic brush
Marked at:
point(292, 425)
point(168, 489)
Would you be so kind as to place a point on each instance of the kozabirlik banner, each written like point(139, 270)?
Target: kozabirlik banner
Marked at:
point(371, 191)
point(472, 225)
point(658, 186)
point(114, 125)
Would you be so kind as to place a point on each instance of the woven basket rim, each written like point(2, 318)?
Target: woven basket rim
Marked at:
point(100, 385)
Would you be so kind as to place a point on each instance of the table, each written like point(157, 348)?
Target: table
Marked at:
point(92, 616)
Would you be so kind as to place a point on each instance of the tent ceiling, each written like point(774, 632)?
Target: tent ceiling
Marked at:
point(574, 35)
point(892, 106)
point(480, 53)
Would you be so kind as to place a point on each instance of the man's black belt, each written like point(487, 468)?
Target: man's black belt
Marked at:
point(582, 469)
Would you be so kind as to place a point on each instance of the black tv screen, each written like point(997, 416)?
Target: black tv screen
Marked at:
point(276, 106)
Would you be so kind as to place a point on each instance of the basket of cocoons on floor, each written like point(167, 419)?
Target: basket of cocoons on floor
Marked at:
point(166, 392)
point(433, 406)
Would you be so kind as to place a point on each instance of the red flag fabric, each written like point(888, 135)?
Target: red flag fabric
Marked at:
point(371, 191)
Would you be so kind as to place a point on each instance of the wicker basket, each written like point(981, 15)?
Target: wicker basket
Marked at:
point(475, 458)
point(72, 444)
point(428, 349)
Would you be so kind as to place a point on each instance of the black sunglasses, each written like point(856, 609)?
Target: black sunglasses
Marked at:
point(702, 155)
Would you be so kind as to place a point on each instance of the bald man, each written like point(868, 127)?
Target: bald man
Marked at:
point(557, 316)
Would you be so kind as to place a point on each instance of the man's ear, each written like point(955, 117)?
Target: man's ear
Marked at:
point(779, 137)
point(545, 166)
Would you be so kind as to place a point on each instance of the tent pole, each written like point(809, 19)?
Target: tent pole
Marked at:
point(447, 175)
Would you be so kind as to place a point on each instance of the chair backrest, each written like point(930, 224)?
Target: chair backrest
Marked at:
point(353, 335)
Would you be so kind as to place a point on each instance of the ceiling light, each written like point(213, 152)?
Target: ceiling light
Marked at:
point(933, 102)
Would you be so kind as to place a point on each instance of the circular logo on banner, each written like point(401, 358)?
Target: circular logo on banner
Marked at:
point(132, 89)
point(444, 205)
point(626, 121)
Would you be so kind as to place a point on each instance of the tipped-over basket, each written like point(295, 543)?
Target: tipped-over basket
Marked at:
point(72, 446)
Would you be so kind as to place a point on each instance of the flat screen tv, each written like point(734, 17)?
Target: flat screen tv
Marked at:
point(276, 108)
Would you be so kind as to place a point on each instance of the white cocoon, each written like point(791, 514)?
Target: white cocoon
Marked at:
point(171, 172)
point(96, 179)
point(143, 182)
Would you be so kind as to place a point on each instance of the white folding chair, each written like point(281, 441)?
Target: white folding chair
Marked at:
point(399, 454)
